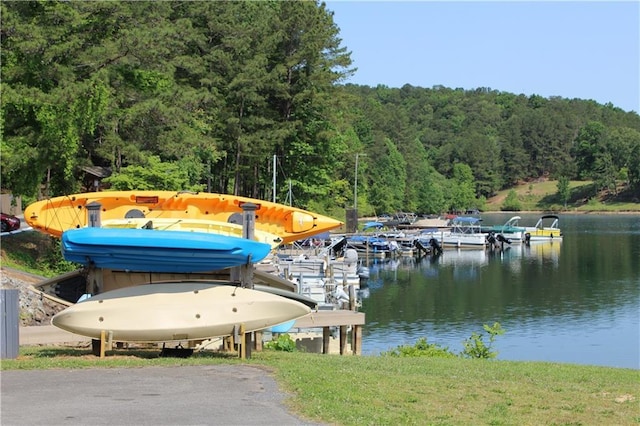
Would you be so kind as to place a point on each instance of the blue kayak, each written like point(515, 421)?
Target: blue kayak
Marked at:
point(144, 250)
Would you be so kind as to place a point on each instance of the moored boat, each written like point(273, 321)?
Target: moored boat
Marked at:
point(547, 228)
point(510, 230)
point(465, 233)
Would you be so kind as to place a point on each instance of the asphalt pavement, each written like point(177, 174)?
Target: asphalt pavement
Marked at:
point(192, 395)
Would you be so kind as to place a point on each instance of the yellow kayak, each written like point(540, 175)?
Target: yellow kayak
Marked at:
point(56, 215)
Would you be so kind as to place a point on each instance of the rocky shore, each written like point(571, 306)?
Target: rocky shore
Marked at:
point(35, 309)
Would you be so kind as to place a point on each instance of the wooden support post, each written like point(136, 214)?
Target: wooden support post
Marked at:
point(228, 343)
point(356, 339)
point(343, 339)
point(103, 343)
point(326, 339)
point(257, 342)
point(241, 343)
point(248, 345)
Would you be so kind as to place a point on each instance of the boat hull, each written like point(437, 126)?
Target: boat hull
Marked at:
point(448, 239)
point(56, 215)
point(158, 251)
point(533, 234)
point(177, 311)
point(546, 229)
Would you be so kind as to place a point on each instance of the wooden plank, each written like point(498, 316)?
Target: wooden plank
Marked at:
point(356, 340)
point(330, 318)
point(257, 344)
point(326, 336)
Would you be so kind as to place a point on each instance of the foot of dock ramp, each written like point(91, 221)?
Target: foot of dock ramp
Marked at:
point(337, 318)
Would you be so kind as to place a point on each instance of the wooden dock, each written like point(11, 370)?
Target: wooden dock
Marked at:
point(341, 318)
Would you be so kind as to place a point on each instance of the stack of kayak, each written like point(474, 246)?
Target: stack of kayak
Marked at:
point(181, 234)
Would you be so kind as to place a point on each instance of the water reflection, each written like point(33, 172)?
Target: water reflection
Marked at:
point(556, 299)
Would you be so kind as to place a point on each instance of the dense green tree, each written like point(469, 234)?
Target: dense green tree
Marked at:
point(514, 157)
point(219, 89)
point(387, 175)
point(49, 103)
point(155, 175)
point(511, 202)
point(564, 193)
point(620, 142)
point(634, 168)
point(589, 144)
point(462, 189)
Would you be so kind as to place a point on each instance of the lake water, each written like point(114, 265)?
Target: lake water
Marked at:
point(573, 301)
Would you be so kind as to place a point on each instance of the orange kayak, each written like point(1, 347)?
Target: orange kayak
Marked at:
point(55, 215)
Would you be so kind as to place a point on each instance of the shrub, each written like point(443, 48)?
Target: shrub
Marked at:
point(474, 346)
point(283, 343)
point(421, 349)
point(511, 202)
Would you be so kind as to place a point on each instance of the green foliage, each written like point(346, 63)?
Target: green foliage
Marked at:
point(387, 194)
point(154, 175)
point(511, 202)
point(36, 253)
point(475, 347)
point(564, 193)
point(420, 349)
point(462, 194)
point(220, 88)
point(53, 261)
point(284, 343)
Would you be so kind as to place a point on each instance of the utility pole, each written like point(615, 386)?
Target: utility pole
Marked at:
point(274, 178)
point(355, 186)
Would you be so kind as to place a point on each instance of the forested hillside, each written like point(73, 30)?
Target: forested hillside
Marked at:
point(205, 95)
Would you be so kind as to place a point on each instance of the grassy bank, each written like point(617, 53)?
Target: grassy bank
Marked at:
point(543, 196)
point(384, 390)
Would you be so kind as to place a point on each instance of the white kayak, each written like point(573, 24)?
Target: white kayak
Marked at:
point(177, 311)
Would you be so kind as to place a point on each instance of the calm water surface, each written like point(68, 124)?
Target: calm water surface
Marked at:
point(575, 300)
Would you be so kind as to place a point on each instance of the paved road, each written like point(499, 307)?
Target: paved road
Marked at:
point(193, 395)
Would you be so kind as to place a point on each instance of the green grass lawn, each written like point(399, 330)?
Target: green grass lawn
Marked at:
point(543, 196)
point(384, 390)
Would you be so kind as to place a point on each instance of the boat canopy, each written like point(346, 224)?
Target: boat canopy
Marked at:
point(374, 225)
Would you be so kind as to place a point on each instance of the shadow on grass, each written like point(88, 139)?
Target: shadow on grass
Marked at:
point(135, 353)
point(578, 196)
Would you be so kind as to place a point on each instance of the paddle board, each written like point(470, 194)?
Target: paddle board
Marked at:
point(55, 215)
point(158, 251)
point(176, 311)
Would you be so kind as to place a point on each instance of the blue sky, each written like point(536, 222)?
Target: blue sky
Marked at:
point(585, 50)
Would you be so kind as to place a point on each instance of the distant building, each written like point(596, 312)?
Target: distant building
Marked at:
point(92, 179)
